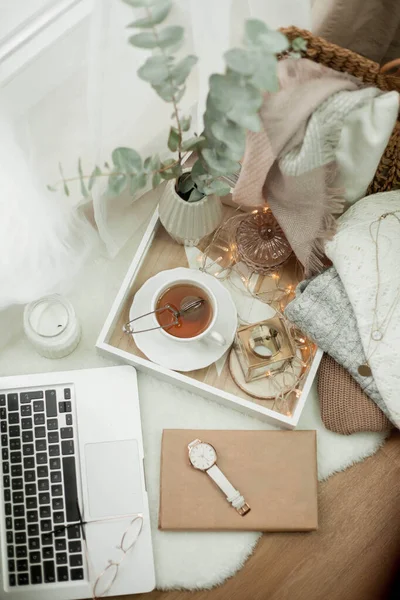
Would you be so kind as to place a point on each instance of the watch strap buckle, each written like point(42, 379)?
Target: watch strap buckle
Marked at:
point(244, 509)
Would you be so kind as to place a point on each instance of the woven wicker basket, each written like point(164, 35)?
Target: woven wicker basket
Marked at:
point(387, 78)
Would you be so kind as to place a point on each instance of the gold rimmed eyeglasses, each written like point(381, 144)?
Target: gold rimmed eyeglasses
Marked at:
point(105, 580)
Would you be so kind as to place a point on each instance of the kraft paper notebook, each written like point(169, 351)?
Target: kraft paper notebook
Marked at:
point(275, 471)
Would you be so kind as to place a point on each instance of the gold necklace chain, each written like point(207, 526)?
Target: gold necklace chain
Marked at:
point(378, 329)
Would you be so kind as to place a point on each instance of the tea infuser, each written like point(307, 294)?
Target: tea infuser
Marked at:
point(188, 306)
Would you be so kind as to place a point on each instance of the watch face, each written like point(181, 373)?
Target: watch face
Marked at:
point(202, 456)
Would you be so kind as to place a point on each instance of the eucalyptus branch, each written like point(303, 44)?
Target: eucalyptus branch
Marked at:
point(170, 79)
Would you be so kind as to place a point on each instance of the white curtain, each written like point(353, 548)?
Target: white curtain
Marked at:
point(82, 99)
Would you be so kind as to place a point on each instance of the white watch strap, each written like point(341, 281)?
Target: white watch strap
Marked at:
point(232, 495)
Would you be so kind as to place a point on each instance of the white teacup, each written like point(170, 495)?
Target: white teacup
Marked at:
point(209, 334)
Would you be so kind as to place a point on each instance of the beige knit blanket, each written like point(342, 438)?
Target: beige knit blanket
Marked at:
point(304, 204)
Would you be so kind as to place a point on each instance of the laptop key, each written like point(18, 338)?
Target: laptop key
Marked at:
point(68, 419)
point(26, 410)
point(9, 523)
point(47, 539)
point(4, 440)
point(10, 551)
point(3, 413)
point(61, 544)
point(29, 462)
point(44, 498)
point(55, 477)
point(7, 509)
point(32, 516)
point(54, 450)
point(43, 485)
point(41, 445)
point(4, 453)
point(18, 497)
point(16, 470)
point(3, 399)
point(11, 580)
point(14, 431)
point(39, 419)
point(67, 447)
point(49, 571)
point(15, 457)
point(6, 468)
point(33, 529)
point(7, 495)
point(29, 476)
point(10, 537)
point(17, 484)
point(34, 557)
point(61, 558)
point(57, 490)
point(53, 437)
point(12, 402)
point(76, 574)
point(13, 418)
point(62, 573)
point(75, 560)
point(34, 543)
point(66, 433)
point(3, 427)
point(74, 547)
point(38, 406)
point(27, 436)
point(67, 394)
point(6, 481)
point(74, 532)
point(48, 552)
point(20, 537)
point(41, 458)
point(58, 517)
point(28, 396)
point(51, 403)
point(19, 511)
point(26, 423)
point(11, 566)
point(22, 552)
point(55, 463)
point(22, 565)
point(36, 574)
point(42, 471)
point(46, 525)
point(31, 502)
point(40, 432)
point(28, 450)
point(15, 444)
point(23, 578)
point(30, 489)
point(52, 424)
point(45, 512)
point(19, 524)
point(58, 503)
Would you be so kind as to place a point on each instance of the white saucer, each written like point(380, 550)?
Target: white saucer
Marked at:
point(182, 356)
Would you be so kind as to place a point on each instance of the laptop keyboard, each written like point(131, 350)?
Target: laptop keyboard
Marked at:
point(38, 457)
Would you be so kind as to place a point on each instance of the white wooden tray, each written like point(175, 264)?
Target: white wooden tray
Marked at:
point(157, 252)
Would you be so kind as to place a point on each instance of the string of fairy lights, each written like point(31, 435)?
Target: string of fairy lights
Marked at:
point(222, 260)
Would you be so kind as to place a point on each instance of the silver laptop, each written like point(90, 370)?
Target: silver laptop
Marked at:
point(72, 483)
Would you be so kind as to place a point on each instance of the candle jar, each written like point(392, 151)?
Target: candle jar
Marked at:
point(51, 326)
point(263, 347)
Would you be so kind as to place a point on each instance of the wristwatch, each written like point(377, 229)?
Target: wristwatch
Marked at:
point(203, 457)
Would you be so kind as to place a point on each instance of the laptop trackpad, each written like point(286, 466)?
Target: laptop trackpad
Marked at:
point(113, 478)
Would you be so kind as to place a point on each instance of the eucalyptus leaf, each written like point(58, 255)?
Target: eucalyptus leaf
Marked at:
point(158, 14)
point(137, 182)
point(227, 92)
point(198, 171)
point(254, 30)
point(170, 36)
point(173, 172)
point(181, 71)
point(155, 162)
point(217, 187)
point(241, 61)
point(169, 92)
point(126, 160)
point(251, 122)
point(141, 3)
point(84, 191)
point(116, 184)
point(66, 188)
point(155, 70)
point(95, 173)
point(157, 179)
point(274, 42)
point(232, 134)
point(299, 44)
point(174, 139)
point(195, 196)
point(185, 183)
point(185, 123)
point(219, 164)
point(266, 76)
point(192, 142)
point(144, 40)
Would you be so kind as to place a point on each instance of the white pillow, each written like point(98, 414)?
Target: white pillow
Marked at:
point(365, 134)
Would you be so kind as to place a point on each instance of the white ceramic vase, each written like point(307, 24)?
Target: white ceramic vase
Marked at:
point(188, 222)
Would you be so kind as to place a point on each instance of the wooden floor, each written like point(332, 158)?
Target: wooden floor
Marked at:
point(353, 556)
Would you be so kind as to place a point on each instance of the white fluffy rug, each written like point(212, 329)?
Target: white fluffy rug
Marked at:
point(164, 406)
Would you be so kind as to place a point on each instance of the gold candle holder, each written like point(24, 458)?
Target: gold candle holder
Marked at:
point(263, 347)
